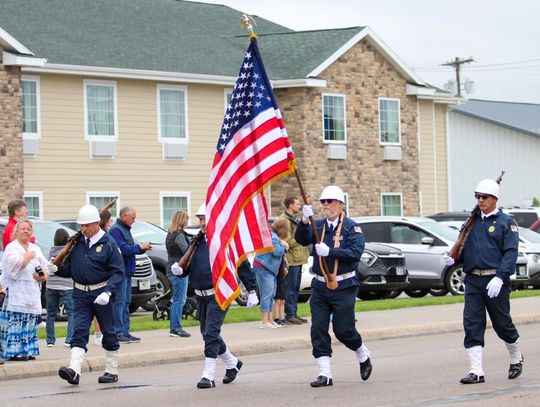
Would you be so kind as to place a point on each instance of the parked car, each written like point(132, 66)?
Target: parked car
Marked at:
point(530, 244)
point(143, 283)
point(524, 217)
point(423, 242)
point(535, 227)
point(450, 216)
point(381, 271)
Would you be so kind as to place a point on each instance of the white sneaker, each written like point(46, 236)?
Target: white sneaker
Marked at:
point(67, 345)
point(275, 326)
point(50, 345)
point(265, 325)
point(98, 336)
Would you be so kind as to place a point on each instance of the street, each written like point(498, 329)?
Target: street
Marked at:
point(411, 371)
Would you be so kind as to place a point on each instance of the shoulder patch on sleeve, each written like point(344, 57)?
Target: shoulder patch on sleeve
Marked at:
point(513, 228)
point(358, 229)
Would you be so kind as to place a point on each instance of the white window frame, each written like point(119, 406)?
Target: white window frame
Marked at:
point(346, 204)
point(92, 82)
point(387, 143)
point(226, 93)
point(37, 134)
point(39, 196)
point(344, 141)
point(102, 194)
point(385, 194)
point(169, 140)
point(173, 194)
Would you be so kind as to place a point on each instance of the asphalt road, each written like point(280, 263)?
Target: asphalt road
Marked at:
point(413, 371)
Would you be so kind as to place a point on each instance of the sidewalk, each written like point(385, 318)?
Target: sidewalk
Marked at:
point(247, 338)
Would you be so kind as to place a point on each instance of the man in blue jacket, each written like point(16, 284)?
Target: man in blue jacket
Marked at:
point(121, 232)
point(211, 316)
point(489, 258)
point(341, 247)
point(96, 267)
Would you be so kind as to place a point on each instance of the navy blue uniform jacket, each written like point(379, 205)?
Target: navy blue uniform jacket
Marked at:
point(103, 262)
point(348, 254)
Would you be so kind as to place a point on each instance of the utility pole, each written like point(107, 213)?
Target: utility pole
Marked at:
point(456, 63)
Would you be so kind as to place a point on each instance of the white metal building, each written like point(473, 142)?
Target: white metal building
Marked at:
point(487, 137)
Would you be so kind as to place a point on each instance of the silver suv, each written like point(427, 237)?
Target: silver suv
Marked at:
point(423, 242)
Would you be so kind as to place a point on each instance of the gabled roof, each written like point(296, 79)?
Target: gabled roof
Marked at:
point(138, 37)
point(523, 117)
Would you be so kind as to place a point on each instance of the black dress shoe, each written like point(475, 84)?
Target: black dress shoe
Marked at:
point(69, 375)
point(304, 321)
point(365, 369)
point(294, 320)
point(205, 383)
point(108, 378)
point(472, 378)
point(515, 369)
point(230, 374)
point(322, 381)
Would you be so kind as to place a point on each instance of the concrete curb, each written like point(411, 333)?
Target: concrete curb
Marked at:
point(18, 370)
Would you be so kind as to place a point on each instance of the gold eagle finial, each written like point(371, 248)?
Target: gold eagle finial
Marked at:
point(247, 22)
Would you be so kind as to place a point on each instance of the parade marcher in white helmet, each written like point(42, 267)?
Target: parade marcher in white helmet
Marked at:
point(211, 316)
point(341, 247)
point(96, 266)
point(489, 259)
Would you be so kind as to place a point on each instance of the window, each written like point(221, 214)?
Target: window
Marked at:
point(30, 108)
point(391, 204)
point(346, 204)
point(228, 97)
point(172, 113)
point(334, 119)
point(389, 121)
point(100, 110)
point(34, 203)
point(374, 232)
point(172, 202)
point(406, 234)
point(101, 199)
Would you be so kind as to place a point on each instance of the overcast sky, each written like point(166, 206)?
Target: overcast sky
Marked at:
point(503, 37)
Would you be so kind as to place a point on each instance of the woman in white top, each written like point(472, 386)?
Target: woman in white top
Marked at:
point(25, 268)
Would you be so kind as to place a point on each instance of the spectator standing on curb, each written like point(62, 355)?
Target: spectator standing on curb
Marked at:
point(121, 232)
point(59, 290)
point(341, 247)
point(489, 259)
point(297, 255)
point(177, 243)
point(211, 316)
point(266, 267)
point(96, 266)
point(16, 210)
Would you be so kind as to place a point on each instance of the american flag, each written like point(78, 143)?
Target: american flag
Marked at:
point(253, 150)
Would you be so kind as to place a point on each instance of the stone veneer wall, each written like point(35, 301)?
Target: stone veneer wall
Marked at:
point(11, 153)
point(362, 75)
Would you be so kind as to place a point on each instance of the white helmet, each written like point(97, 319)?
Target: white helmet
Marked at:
point(200, 211)
point(488, 186)
point(88, 214)
point(333, 192)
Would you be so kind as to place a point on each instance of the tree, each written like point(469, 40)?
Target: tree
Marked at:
point(535, 201)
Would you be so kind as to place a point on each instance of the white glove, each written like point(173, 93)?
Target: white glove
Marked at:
point(176, 269)
point(494, 287)
point(252, 299)
point(53, 268)
point(307, 211)
point(322, 249)
point(448, 260)
point(102, 299)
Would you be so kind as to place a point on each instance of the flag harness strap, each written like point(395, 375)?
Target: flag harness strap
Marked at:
point(336, 245)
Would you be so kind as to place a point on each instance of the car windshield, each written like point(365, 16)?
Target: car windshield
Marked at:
point(529, 236)
point(444, 231)
point(148, 232)
point(44, 231)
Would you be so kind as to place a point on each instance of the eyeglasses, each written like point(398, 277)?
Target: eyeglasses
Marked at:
point(482, 196)
point(327, 201)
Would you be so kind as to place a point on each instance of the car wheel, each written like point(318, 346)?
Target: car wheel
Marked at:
point(133, 308)
point(371, 295)
point(455, 280)
point(243, 297)
point(303, 297)
point(162, 285)
point(392, 294)
point(438, 292)
point(417, 293)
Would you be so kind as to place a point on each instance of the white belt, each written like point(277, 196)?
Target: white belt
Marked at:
point(90, 287)
point(205, 293)
point(487, 272)
point(341, 277)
